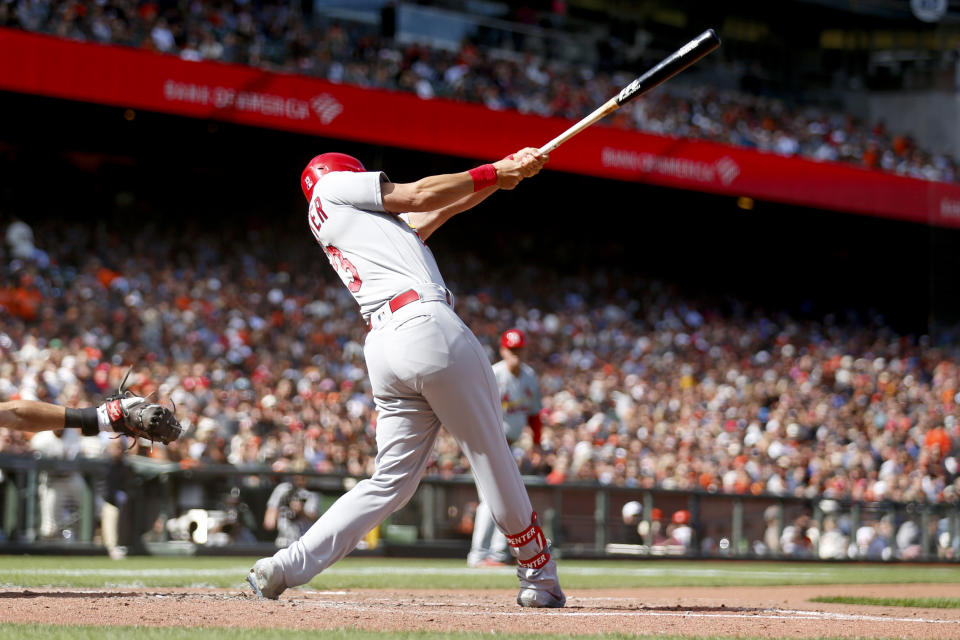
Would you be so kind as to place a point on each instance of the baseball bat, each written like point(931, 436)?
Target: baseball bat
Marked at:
point(670, 66)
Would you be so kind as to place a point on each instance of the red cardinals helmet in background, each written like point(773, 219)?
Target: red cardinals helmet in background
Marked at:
point(324, 164)
point(513, 339)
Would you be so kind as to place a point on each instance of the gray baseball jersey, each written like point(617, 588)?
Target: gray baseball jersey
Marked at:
point(519, 397)
point(426, 369)
point(376, 254)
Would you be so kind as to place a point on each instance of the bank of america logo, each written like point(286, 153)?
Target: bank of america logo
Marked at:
point(325, 107)
point(727, 170)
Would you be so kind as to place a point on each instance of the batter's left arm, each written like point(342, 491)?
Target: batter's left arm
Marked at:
point(426, 222)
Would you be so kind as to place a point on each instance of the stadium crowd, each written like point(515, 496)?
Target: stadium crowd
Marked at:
point(276, 36)
point(642, 386)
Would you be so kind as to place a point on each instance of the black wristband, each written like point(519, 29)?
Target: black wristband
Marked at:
point(83, 419)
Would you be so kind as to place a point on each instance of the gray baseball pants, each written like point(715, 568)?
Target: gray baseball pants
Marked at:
point(427, 369)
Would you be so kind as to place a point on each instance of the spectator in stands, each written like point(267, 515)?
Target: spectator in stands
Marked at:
point(20, 240)
point(834, 543)
point(274, 36)
point(639, 389)
point(800, 537)
point(771, 532)
point(907, 540)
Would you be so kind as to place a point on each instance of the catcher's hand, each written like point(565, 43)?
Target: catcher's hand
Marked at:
point(137, 417)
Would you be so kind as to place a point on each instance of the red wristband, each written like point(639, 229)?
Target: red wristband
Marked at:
point(483, 176)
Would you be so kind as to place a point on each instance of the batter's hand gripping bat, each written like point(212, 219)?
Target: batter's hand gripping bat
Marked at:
point(670, 66)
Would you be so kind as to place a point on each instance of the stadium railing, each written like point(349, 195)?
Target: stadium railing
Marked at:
point(582, 518)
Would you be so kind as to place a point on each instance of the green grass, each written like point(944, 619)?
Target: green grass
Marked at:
point(58, 632)
point(916, 603)
point(393, 573)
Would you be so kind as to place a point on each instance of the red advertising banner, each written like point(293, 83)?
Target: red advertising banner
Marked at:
point(127, 77)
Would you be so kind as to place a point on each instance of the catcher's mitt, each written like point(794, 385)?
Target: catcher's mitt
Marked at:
point(140, 418)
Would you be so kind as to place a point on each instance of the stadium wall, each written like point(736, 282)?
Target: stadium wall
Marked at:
point(144, 80)
point(584, 519)
point(187, 172)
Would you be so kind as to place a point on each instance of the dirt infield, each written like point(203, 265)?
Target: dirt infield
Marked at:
point(770, 612)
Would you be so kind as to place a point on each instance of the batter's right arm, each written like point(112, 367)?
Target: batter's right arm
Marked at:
point(437, 192)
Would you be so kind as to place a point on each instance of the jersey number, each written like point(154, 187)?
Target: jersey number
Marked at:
point(346, 269)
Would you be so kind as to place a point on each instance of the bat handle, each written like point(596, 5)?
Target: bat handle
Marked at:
point(608, 107)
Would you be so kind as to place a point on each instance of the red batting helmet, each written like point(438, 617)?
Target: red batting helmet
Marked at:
point(513, 339)
point(324, 164)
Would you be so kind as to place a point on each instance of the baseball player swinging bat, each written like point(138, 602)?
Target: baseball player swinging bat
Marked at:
point(670, 66)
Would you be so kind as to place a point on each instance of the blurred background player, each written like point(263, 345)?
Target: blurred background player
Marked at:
point(630, 514)
point(654, 527)
point(520, 406)
point(681, 533)
point(60, 491)
point(291, 509)
point(115, 512)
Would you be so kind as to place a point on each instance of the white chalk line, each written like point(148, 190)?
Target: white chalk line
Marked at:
point(241, 570)
point(761, 614)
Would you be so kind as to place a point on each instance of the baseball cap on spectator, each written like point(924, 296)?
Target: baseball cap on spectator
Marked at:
point(631, 509)
point(681, 517)
point(950, 464)
point(513, 339)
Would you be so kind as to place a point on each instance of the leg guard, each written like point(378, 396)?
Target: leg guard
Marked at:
point(539, 584)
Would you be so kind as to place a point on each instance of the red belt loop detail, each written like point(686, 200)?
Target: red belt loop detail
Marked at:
point(403, 299)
